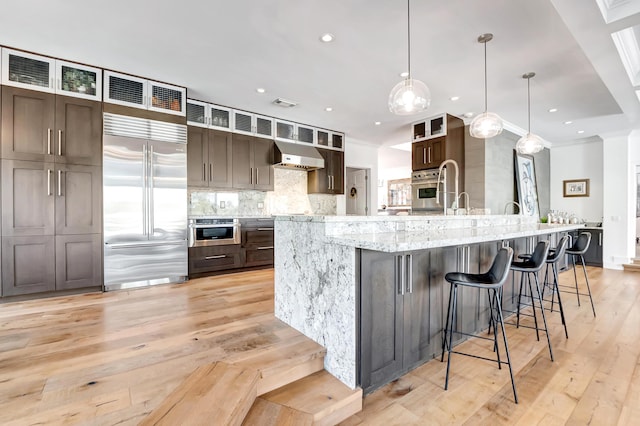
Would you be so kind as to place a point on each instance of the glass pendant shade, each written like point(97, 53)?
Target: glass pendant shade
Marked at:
point(529, 144)
point(485, 125)
point(409, 97)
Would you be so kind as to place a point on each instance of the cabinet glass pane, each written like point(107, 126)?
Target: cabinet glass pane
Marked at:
point(263, 126)
point(437, 126)
point(121, 89)
point(195, 113)
point(305, 134)
point(166, 98)
point(284, 130)
point(337, 141)
point(419, 130)
point(78, 80)
point(220, 118)
point(243, 122)
point(323, 138)
point(29, 71)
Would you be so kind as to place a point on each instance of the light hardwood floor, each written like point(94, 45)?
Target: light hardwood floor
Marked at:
point(595, 378)
point(111, 358)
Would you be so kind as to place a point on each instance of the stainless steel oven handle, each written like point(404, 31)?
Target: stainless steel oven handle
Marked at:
point(217, 225)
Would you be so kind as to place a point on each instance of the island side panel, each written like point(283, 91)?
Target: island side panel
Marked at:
point(315, 292)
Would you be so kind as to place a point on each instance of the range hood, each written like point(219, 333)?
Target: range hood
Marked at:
point(297, 156)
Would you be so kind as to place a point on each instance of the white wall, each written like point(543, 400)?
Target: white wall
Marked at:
point(579, 161)
point(361, 155)
point(393, 164)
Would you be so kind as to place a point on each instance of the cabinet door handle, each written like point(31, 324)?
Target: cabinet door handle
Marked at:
point(265, 229)
point(48, 181)
point(210, 171)
point(400, 274)
point(409, 274)
point(204, 171)
point(429, 159)
point(59, 183)
point(257, 175)
point(424, 155)
point(600, 238)
point(48, 141)
point(219, 256)
point(328, 181)
point(59, 141)
point(265, 248)
point(251, 175)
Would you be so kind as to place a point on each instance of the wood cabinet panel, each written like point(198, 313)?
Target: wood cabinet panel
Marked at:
point(78, 261)
point(28, 121)
point(28, 265)
point(197, 157)
point(214, 258)
point(242, 159)
point(78, 131)
point(330, 179)
point(263, 163)
point(78, 199)
point(220, 159)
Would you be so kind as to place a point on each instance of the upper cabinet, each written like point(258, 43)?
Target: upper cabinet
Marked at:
point(329, 139)
point(248, 123)
point(288, 131)
point(138, 92)
point(207, 115)
point(29, 71)
point(429, 128)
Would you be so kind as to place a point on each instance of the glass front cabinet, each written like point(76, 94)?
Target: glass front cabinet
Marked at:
point(330, 139)
point(29, 71)
point(207, 115)
point(252, 124)
point(138, 92)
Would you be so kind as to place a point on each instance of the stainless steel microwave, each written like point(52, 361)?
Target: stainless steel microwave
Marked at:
point(212, 232)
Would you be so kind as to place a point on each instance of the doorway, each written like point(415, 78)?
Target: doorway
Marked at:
point(357, 191)
point(637, 233)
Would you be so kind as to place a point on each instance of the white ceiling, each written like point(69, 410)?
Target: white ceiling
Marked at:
point(223, 50)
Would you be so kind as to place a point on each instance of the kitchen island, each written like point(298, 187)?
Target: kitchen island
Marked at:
point(371, 289)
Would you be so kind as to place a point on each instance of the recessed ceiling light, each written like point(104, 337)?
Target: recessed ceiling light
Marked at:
point(580, 132)
point(328, 109)
point(404, 74)
point(568, 122)
point(467, 115)
point(553, 110)
point(260, 90)
point(327, 38)
point(454, 98)
point(377, 123)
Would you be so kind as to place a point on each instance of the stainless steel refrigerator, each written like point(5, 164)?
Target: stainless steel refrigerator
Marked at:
point(145, 202)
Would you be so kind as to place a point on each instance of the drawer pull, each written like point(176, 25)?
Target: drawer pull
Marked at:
point(265, 248)
point(265, 229)
point(218, 256)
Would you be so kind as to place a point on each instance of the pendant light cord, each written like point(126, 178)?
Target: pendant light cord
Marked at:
point(408, 41)
point(486, 107)
point(529, 101)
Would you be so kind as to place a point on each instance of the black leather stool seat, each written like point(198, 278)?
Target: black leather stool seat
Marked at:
point(492, 281)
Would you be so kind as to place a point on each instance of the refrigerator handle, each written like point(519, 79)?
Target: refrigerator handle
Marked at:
point(144, 192)
point(150, 203)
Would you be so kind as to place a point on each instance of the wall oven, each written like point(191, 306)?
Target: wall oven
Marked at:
point(213, 232)
point(424, 187)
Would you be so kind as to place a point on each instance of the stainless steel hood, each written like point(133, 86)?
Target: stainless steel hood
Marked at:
point(297, 156)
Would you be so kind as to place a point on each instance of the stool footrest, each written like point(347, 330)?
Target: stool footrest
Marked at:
point(480, 357)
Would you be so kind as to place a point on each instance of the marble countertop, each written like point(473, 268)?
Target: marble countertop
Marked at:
point(392, 242)
point(229, 216)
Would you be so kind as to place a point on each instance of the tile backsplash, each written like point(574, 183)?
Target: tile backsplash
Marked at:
point(288, 197)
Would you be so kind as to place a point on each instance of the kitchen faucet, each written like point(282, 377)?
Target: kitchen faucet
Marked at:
point(444, 163)
point(466, 200)
point(514, 203)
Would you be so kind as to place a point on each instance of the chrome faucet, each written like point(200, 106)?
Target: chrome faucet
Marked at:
point(457, 170)
point(514, 203)
point(466, 200)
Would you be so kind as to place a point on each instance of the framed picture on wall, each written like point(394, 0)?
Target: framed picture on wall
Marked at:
point(575, 188)
point(526, 184)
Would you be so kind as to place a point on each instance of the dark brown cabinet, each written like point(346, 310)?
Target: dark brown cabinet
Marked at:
point(78, 199)
point(257, 241)
point(252, 160)
point(330, 179)
point(428, 154)
point(38, 126)
point(78, 261)
point(28, 265)
point(209, 158)
point(203, 260)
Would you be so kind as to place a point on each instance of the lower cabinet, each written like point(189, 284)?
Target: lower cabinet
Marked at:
point(257, 241)
point(203, 260)
point(37, 264)
point(403, 306)
point(593, 256)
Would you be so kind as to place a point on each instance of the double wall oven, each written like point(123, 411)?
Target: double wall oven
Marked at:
point(424, 188)
point(213, 232)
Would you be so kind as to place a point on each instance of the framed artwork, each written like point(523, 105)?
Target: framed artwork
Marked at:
point(575, 188)
point(526, 185)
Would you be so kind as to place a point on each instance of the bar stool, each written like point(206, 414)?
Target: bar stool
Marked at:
point(552, 260)
point(529, 267)
point(492, 280)
point(578, 249)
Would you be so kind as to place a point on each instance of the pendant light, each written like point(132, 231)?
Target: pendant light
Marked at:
point(529, 143)
point(410, 96)
point(487, 124)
